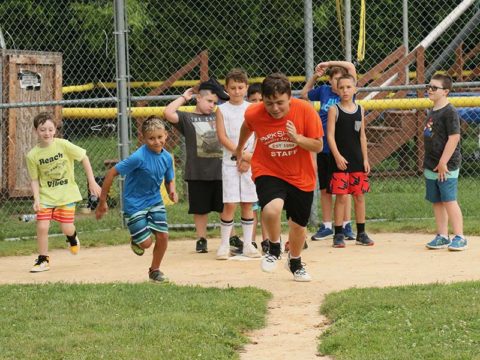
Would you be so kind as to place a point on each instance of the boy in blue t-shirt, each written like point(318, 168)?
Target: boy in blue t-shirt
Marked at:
point(327, 95)
point(144, 210)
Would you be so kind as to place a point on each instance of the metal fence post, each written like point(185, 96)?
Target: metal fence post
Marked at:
point(122, 78)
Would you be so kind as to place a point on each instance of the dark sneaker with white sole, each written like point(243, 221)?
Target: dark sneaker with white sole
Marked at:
point(201, 246)
point(363, 239)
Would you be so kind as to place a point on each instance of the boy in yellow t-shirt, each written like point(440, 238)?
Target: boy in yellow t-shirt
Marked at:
point(55, 192)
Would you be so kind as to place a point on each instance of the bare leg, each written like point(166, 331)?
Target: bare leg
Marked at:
point(296, 238)
point(201, 221)
point(339, 209)
point(161, 244)
point(454, 216)
point(441, 218)
point(271, 218)
point(359, 201)
point(42, 236)
point(347, 216)
point(67, 229)
point(326, 203)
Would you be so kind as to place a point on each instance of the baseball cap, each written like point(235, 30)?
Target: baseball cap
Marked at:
point(215, 87)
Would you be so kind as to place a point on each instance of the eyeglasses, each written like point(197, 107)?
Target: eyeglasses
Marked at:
point(433, 88)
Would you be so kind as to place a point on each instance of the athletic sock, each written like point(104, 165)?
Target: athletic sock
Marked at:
point(295, 263)
point(328, 225)
point(247, 228)
point(338, 229)
point(360, 228)
point(225, 231)
point(72, 239)
point(345, 223)
point(275, 248)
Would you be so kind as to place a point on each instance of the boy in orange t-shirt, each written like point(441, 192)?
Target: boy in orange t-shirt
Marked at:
point(287, 131)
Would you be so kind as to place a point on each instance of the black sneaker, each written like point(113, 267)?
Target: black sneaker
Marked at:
point(236, 245)
point(201, 246)
point(265, 246)
point(363, 239)
point(339, 240)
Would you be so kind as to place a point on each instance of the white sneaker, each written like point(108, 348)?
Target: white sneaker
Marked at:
point(41, 264)
point(300, 274)
point(223, 252)
point(269, 262)
point(250, 251)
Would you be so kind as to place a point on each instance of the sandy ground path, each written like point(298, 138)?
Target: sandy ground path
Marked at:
point(294, 322)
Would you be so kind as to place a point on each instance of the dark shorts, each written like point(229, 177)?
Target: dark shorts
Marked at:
point(205, 196)
point(355, 183)
point(324, 165)
point(441, 191)
point(296, 202)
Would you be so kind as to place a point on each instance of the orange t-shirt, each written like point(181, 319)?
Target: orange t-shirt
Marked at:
point(275, 155)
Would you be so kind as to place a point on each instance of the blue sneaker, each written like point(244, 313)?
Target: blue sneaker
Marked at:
point(439, 242)
point(458, 244)
point(348, 232)
point(322, 233)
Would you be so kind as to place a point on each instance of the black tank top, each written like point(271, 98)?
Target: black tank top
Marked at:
point(347, 137)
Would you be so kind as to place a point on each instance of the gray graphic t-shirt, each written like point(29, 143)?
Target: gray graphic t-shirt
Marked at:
point(439, 126)
point(204, 151)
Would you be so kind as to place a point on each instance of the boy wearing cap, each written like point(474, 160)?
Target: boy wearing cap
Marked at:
point(203, 167)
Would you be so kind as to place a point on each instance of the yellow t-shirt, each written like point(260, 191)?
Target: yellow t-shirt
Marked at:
point(53, 167)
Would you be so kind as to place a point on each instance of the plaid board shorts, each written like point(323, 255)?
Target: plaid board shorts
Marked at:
point(143, 222)
point(64, 214)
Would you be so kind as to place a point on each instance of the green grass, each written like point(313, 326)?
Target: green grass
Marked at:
point(411, 322)
point(127, 321)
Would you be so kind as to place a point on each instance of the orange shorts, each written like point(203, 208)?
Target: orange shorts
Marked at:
point(355, 183)
point(63, 214)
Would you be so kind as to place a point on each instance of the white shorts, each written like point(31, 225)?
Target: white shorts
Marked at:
point(238, 187)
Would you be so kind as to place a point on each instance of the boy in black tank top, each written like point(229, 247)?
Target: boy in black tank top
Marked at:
point(348, 145)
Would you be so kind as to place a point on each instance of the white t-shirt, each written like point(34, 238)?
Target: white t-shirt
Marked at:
point(233, 116)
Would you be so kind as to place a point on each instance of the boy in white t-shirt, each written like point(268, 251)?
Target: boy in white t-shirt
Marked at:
point(238, 186)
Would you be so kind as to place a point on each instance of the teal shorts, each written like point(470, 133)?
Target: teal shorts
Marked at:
point(142, 223)
point(441, 191)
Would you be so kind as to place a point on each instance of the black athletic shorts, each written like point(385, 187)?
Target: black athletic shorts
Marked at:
point(324, 165)
point(205, 196)
point(296, 202)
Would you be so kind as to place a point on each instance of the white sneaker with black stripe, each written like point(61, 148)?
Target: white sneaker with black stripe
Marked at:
point(269, 262)
point(300, 274)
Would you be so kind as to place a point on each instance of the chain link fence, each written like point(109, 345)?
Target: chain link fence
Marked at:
point(66, 51)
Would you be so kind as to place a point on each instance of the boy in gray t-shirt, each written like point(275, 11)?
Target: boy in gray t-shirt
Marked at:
point(203, 168)
point(442, 165)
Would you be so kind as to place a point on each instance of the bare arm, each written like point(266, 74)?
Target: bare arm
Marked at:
point(170, 112)
point(450, 146)
point(332, 119)
point(36, 195)
point(363, 144)
point(345, 64)
point(107, 184)
point(311, 83)
point(92, 184)
point(171, 191)
point(222, 133)
point(245, 134)
point(309, 144)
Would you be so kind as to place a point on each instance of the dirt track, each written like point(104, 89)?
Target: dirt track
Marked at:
point(294, 322)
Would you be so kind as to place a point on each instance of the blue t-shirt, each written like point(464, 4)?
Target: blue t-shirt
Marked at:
point(327, 98)
point(144, 171)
